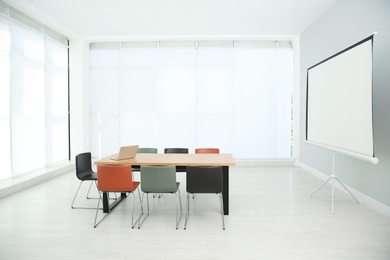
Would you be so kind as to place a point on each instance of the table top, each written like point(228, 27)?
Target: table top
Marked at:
point(173, 159)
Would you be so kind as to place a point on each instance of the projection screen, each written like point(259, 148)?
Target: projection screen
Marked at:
point(339, 102)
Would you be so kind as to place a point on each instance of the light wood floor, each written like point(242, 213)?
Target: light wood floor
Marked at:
point(271, 217)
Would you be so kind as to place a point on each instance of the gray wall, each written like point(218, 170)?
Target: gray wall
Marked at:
point(348, 22)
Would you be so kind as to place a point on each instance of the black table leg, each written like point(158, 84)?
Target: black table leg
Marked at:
point(225, 189)
point(108, 207)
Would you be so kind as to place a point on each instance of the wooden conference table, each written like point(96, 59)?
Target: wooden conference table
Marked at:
point(224, 160)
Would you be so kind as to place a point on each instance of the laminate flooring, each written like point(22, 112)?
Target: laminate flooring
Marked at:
point(271, 217)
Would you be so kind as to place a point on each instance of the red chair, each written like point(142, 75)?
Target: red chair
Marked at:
point(207, 150)
point(117, 178)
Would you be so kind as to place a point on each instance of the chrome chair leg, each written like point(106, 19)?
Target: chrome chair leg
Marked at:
point(222, 212)
point(77, 192)
point(159, 195)
point(141, 210)
point(141, 221)
point(132, 214)
point(187, 211)
point(89, 191)
point(97, 211)
point(75, 196)
point(181, 209)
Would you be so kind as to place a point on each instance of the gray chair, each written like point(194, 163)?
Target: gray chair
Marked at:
point(204, 179)
point(84, 172)
point(136, 168)
point(147, 150)
point(159, 179)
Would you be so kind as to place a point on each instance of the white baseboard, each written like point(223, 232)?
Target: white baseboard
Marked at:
point(26, 180)
point(361, 197)
point(265, 163)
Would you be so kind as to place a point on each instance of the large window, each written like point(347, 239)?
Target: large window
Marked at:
point(33, 99)
point(214, 94)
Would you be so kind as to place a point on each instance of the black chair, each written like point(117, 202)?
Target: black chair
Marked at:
point(177, 150)
point(178, 168)
point(84, 172)
point(204, 179)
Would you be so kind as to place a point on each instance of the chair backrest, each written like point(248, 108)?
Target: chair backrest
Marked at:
point(176, 150)
point(207, 150)
point(204, 179)
point(83, 163)
point(147, 150)
point(115, 178)
point(158, 179)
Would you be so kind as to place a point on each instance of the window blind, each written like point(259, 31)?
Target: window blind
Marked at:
point(235, 96)
point(34, 98)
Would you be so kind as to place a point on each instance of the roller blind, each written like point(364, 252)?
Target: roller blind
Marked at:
point(34, 98)
point(234, 95)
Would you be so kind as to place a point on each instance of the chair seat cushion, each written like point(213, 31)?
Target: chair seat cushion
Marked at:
point(161, 190)
point(87, 176)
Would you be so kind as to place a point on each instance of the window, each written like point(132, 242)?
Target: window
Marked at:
point(33, 100)
point(5, 67)
point(233, 96)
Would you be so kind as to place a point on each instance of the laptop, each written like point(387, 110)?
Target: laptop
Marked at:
point(126, 152)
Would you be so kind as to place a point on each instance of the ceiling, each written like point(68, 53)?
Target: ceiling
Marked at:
point(120, 19)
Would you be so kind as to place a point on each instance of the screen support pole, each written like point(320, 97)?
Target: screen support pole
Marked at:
point(334, 178)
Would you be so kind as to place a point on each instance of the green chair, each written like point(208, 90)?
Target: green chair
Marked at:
point(159, 179)
point(136, 168)
point(147, 150)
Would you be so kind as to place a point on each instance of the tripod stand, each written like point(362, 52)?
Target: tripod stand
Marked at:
point(334, 178)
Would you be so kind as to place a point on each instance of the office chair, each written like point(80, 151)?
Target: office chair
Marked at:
point(143, 150)
point(117, 179)
point(84, 172)
point(159, 179)
point(177, 150)
point(178, 168)
point(207, 150)
point(204, 179)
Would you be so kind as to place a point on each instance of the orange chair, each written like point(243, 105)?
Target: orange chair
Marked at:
point(118, 178)
point(207, 150)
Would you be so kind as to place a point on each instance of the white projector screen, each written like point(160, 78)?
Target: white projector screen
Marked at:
point(339, 102)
